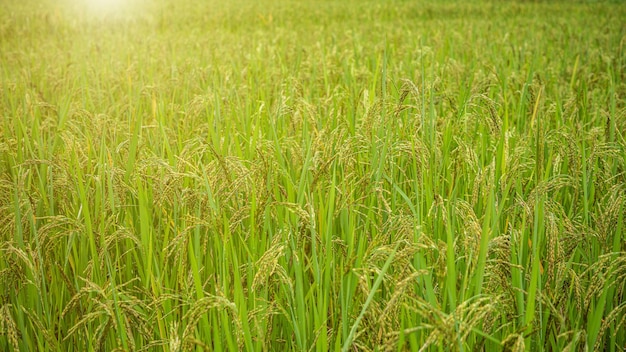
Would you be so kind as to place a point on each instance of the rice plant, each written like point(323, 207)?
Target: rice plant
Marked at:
point(312, 176)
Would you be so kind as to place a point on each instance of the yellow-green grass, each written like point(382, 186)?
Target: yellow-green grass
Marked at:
point(315, 175)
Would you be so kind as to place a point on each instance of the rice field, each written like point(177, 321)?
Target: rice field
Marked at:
point(274, 175)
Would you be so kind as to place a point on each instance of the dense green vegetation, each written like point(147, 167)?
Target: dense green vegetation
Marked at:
point(315, 175)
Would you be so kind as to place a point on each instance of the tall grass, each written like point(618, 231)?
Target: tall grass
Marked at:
point(313, 176)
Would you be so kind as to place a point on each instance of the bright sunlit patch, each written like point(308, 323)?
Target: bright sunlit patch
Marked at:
point(104, 7)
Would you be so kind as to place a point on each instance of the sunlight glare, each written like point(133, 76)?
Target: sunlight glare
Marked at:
point(106, 6)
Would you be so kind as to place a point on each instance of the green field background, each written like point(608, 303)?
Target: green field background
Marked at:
point(313, 176)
